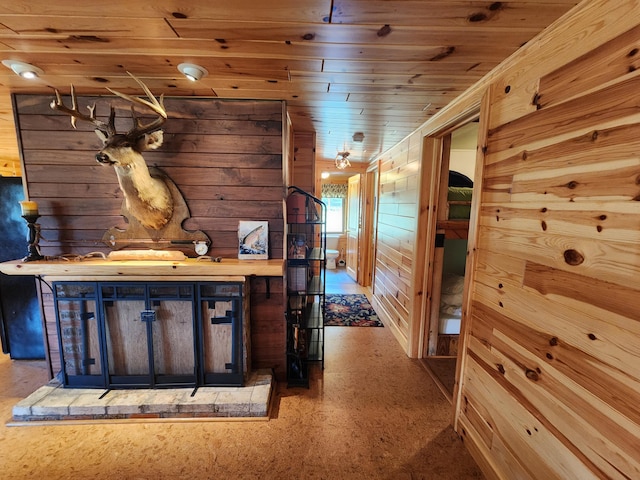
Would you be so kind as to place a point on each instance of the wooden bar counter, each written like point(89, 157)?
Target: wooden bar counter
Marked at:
point(261, 351)
point(97, 269)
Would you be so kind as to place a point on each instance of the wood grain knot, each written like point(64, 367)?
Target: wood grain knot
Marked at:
point(178, 15)
point(544, 226)
point(592, 336)
point(500, 368)
point(536, 100)
point(553, 341)
point(572, 184)
point(594, 135)
point(87, 39)
point(507, 89)
point(573, 257)
point(477, 17)
point(443, 54)
point(384, 31)
point(532, 375)
point(633, 52)
point(311, 36)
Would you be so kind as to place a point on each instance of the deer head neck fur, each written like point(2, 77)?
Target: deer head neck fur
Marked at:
point(147, 198)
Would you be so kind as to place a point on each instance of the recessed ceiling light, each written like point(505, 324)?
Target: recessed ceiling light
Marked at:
point(193, 72)
point(22, 69)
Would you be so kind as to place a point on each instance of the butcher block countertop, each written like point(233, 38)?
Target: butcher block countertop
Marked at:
point(96, 269)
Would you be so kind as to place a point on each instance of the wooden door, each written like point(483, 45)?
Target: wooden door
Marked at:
point(353, 226)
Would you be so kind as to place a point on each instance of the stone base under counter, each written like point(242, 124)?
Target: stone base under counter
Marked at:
point(52, 402)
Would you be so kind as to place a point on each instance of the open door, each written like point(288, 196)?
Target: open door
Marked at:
point(353, 227)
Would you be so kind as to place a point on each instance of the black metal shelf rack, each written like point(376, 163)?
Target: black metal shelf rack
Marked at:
point(306, 280)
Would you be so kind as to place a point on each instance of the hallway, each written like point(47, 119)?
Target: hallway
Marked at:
point(372, 414)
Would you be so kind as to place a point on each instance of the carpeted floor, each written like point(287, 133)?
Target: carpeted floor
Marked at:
point(350, 310)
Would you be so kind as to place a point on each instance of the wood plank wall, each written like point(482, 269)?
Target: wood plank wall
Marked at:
point(9, 158)
point(304, 155)
point(225, 157)
point(550, 378)
point(398, 210)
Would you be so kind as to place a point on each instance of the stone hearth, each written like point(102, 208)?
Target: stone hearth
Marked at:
point(53, 402)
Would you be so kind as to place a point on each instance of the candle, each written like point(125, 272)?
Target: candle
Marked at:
point(28, 208)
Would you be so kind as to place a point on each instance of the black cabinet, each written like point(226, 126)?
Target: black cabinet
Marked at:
point(306, 262)
point(21, 331)
point(150, 334)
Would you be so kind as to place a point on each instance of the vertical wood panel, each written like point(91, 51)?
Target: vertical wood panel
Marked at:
point(217, 338)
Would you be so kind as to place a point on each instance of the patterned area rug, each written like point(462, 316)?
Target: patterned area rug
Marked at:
point(350, 310)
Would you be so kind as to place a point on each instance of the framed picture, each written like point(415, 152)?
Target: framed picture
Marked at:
point(253, 240)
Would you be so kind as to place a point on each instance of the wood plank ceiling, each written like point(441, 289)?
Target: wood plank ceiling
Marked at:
point(380, 67)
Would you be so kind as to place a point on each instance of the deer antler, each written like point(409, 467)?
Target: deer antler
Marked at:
point(109, 129)
point(58, 104)
point(153, 103)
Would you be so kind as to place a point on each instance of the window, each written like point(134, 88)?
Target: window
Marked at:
point(334, 197)
point(335, 214)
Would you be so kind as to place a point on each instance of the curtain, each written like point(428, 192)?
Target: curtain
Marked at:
point(334, 190)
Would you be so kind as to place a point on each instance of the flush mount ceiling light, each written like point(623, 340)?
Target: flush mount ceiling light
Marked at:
point(192, 72)
point(22, 69)
point(342, 161)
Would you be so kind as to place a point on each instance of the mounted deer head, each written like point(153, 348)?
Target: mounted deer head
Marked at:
point(147, 198)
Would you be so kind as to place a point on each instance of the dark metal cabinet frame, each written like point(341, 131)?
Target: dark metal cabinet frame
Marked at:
point(87, 355)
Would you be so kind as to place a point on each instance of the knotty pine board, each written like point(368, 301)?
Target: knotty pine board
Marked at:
point(552, 332)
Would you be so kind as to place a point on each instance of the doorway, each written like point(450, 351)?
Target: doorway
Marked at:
point(444, 316)
point(354, 227)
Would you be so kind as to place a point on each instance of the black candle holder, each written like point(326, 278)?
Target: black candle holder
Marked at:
point(33, 239)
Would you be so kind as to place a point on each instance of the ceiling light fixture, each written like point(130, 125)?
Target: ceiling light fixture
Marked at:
point(193, 72)
point(342, 161)
point(23, 69)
